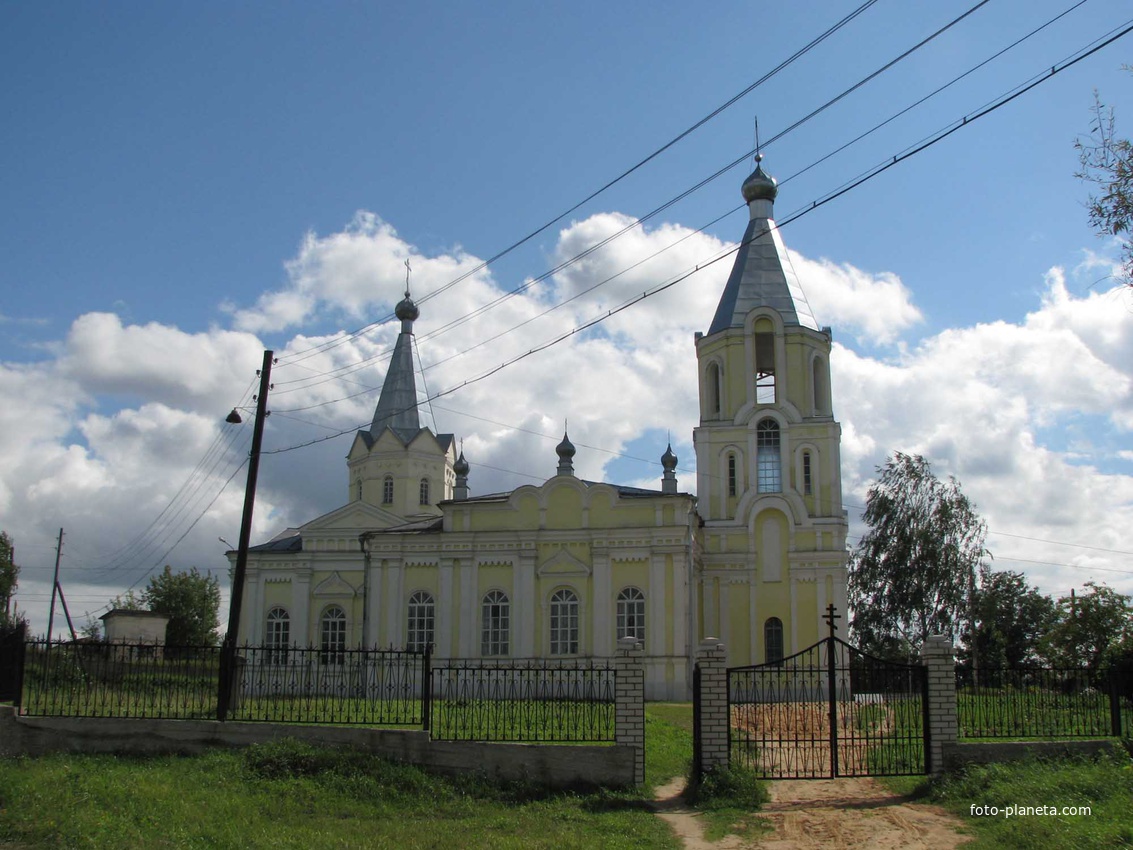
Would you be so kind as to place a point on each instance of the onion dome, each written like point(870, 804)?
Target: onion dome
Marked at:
point(668, 459)
point(565, 451)
point(759, 186)
point(406, 310)
point(461, 466)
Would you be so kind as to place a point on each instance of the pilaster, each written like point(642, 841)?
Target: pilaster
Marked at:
point(710, 659)
point(938, 656)
point(629, 702)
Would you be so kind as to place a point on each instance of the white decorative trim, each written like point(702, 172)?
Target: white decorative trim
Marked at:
point(334, 585)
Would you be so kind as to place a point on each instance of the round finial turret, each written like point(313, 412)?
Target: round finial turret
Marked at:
point(759, 186)
point(461, 466)
point(668, 459)
point(565, 449)
point(406, 310)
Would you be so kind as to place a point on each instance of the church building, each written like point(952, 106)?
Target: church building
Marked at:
point(565, 568)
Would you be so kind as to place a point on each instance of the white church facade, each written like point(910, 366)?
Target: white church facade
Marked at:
point(565, 568)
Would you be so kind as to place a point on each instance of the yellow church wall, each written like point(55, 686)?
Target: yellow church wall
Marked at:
point(738, 543)
point(564, 508)
point(807, 595)
point(624, 574)
point(739, 622)
point(772, 600)
point(277, 593)
point(604, 514)
point(419, 578)
point(495, 577)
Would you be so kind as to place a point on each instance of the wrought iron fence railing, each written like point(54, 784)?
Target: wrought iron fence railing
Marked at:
point(531, 700)
point(135, 680)
point(371, 687)
point(1043, 702)
point(379, 687)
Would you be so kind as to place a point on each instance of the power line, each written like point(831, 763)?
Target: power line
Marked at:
point(701, 122)
point(318, 378)
point(863, 178)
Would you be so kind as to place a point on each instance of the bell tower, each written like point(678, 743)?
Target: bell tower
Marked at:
point(397, 465)
point(769, 480)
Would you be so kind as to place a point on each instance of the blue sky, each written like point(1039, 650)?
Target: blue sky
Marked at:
point(186, 184)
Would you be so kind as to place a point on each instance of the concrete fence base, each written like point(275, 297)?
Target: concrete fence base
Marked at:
point(556, 766)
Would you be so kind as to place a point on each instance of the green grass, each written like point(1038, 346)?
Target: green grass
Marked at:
point(291, 795)
point(1104, 784)
point(668, 742)
point(730, 799)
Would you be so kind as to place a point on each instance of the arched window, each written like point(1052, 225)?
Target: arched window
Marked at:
point(773, 640)
point(419, 623)
point(631, 614)
point(764, 368)
point(424, 491)
point(358, 489)
point(277, 635)
point(332, 635)
point(731, 475)
point(564, 622)
point(808, 475)
point(495, 616)
point(387, 490)
point(712, 379)
point(769, 475)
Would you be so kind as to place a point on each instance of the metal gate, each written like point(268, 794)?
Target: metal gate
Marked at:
point(829, 711)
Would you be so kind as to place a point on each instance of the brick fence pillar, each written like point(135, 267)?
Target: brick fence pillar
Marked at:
point(937, 655)
point(711, 659)
point(629, 701)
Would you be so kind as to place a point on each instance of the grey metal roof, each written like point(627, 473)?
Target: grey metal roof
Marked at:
point(762, 276)
point(623, 491)
point(418, 526)
point(288, 540)
point(397, 405)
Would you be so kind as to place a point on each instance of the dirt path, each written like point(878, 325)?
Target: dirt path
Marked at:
point(843, 814)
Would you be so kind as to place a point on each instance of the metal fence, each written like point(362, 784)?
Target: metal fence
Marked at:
point(139, 680)
point(372, 687)
point(281, 685)
point(534, 700)
point(1043, 702)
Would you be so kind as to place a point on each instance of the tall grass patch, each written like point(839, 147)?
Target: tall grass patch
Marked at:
point(1105, 784)
point(291, 795)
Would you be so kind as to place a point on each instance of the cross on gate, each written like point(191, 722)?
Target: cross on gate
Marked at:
point(830, 616)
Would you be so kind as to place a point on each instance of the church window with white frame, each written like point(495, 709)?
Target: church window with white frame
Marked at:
point(424, 491)
point(332, 635)
point(808, 478)
point(631, 614)
point(731, 475)
point(495, 624)
point(420, 621)
point(277, 635)
point(769, 473)
point(564, 622)
point(387, 490)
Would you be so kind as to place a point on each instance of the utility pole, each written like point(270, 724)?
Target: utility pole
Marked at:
point(228, 648)
point(54, 587)
point(66, 612)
